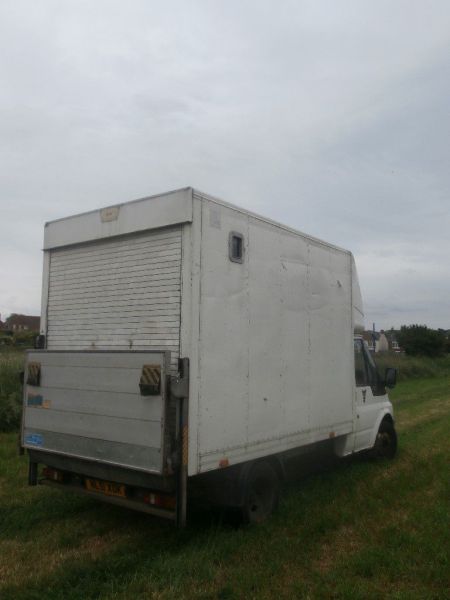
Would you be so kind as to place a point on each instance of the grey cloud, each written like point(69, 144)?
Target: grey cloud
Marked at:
point(330, 117)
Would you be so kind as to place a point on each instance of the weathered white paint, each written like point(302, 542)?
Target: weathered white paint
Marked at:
point(357, 303)
point(190, 324)
point(270, 341)
point(90, 406)
point(146, 213)
point(275, 340)
point(100, 297)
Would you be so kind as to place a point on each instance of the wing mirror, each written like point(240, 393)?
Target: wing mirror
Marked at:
point(390, 377)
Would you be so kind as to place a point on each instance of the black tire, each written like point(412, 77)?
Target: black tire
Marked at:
point(261, 493)
point(386, 441)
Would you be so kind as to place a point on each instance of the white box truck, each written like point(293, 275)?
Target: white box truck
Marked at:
point(189, 344)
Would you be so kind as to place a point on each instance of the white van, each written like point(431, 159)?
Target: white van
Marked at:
point(187, 341)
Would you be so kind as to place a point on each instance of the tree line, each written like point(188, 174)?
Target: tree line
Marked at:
point(420, 340)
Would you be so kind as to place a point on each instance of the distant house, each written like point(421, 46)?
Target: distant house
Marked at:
point(371, 338)
point(382, 344)
point(22, 323)
point(392, 341)
point(381, 341)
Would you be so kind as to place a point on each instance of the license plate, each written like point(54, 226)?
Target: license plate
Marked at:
point(106, 487)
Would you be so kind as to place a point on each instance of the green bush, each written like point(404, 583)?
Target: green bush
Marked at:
point(6, 340)
point(11, 363)
point(419, 340)
point(413, 367)
point(24, 339)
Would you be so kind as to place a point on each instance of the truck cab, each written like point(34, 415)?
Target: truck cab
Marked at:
point(373, 415)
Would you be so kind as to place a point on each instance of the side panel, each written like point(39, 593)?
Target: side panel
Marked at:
point(331, 340)
point(276, 366)
point(357, 303)
point(279, 335)
point(224, 332)
point(89, 405)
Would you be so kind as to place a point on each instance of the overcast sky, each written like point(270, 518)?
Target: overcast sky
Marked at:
point(332, 117)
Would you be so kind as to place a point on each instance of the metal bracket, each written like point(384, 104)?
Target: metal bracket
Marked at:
point(150, 382)
point(179, 385)
point(179, 389)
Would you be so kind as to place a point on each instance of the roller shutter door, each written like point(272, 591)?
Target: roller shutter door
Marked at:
point(117, 294)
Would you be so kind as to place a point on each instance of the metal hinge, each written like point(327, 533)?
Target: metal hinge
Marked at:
point(179, 384)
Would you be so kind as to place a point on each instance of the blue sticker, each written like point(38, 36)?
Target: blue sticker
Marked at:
point(35, 439)
point(34, 400)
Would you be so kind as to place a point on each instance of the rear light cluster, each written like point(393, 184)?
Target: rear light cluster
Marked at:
point(160, 500)
point(52, 474)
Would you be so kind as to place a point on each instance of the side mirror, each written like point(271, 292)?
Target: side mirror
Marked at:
point(390, 377)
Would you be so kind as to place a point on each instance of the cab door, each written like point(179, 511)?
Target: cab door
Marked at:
point(369, 396)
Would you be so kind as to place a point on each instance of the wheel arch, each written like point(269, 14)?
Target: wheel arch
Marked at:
point(274, 461)
point(388, 417)
point(385, 415)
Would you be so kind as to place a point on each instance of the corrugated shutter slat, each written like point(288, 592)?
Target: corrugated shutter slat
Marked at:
point(119, 293)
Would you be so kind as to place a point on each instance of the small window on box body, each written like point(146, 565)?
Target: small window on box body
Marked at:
point(236, 247)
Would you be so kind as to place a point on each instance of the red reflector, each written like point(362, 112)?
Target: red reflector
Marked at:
point(52, 474)
point(160, 500)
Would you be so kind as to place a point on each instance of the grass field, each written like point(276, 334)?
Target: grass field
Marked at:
point(361, 530)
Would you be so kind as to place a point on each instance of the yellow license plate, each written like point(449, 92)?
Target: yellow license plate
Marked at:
point(106, 487)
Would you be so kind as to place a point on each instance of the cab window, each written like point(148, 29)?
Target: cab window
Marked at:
point(360, 364)
point(366, 373)
point(371, 370)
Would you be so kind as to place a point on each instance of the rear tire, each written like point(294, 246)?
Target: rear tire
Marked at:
point(386, 441)
point(261, 494)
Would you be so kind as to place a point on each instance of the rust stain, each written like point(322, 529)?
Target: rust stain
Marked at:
point(185, 445)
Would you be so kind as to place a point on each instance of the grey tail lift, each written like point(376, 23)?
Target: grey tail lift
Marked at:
point(179, 389)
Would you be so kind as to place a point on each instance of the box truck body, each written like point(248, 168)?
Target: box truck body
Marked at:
point(181, 336)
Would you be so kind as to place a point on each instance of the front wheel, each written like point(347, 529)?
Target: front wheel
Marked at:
point(386, 441)
point(262, 489)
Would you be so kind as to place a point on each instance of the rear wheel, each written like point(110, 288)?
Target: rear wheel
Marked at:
point(386, 441)
point(261, 495)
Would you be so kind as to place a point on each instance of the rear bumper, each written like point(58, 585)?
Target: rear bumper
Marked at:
point(123, 502)
point(99, 470)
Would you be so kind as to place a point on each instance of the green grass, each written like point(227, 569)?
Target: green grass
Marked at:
point(413, 367)
point(361, 530)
